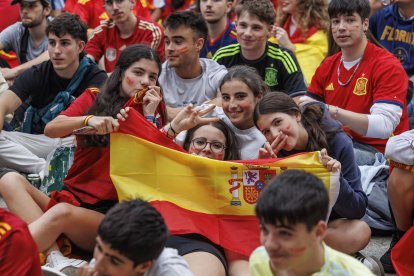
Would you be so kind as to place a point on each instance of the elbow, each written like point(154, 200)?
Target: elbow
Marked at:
point(50, 131)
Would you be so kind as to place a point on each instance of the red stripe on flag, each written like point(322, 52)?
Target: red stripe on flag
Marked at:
point(239, 234)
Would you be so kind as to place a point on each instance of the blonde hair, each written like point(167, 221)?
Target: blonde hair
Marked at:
point(309, 13)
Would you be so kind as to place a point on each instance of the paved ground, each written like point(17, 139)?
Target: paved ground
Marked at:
point(376, 247)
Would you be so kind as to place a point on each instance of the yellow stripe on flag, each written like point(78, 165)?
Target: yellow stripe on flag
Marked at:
point(155, 173)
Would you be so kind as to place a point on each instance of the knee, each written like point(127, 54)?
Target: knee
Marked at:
point(61, 212)
point(11, 182)
point(364, 234)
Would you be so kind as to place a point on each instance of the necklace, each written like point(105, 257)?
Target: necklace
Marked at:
point(352, 75)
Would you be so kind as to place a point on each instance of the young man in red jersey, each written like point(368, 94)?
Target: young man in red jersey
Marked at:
point(364, 86)
point(123, 29)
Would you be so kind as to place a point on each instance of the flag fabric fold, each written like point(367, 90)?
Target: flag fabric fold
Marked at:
point(195, 194)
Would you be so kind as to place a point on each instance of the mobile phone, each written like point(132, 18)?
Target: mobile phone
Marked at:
point(86, 130)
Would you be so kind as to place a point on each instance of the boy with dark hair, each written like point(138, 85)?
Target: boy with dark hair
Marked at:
point(292, 211)
point(131, 240)
point(185, 77)
point(49, 88)
point(278, 67)
point(363, 85)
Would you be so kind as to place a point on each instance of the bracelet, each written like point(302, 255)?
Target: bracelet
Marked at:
point(86, 120)
point(173, 130)
point(166, 133)
point(151, 118)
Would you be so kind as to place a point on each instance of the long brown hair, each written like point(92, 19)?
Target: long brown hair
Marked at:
point(318, 130)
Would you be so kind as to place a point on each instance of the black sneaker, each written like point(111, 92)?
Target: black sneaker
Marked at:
point(371, 262)
point(386, 258)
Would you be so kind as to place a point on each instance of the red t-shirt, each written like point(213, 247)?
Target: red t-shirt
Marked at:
point(88, 178)
point(10, 14)
point(19, 254)
point(380, 78)
point(70, 6)
point(92, 12)
point(107, 42)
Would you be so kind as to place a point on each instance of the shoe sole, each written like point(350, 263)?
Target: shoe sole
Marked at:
point(381, 268)
point(70, 270)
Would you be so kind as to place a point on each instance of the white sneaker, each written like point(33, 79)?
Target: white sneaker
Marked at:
point(63, 264)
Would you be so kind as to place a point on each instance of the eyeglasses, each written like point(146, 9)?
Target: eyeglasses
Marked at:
point(111, 2)
point(201, 143)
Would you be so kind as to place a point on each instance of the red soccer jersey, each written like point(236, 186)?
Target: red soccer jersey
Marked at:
point(107, 42)
point(88, 178)
point(380, 78)
point(19, 254)
point(93, 12)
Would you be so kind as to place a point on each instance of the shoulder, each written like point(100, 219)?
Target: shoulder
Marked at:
point(148, 25)
point(227, 51)
point(337, 263)
point(259, 262)
point(169, 263)
point(96, 75)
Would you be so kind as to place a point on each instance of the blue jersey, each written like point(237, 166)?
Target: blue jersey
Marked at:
point(228, 37)
point(396, 35)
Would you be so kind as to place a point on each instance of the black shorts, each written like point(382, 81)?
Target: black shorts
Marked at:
point(189, 243)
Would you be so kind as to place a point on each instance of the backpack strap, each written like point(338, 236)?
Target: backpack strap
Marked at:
point(24, 41)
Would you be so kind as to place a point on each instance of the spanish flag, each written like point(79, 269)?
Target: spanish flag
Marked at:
point(195, 194)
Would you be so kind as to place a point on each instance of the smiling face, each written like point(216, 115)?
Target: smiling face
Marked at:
point(182, 47)
point(214, 138)
point(238, 102)
point(140, 74)
point(215, 10)
point(291, 246)
point(348, 30)
point(252, 34)
point(274, 124)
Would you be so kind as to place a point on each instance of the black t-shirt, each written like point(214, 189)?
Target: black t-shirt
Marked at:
point(278, 67)
point(40, 84)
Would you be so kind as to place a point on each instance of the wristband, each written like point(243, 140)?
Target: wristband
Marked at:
point(86, 120)
point(151, 118)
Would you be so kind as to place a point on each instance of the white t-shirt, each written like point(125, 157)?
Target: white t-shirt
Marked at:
point(180, 92)
point(169, 263)
point(251, 140)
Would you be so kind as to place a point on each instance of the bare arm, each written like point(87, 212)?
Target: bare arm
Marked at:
point(63, 125)
point(9, 102)
point(11, 73)
point(358, 122)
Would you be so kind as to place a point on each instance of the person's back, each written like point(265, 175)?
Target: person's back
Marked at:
point(15, 236)
point(292, 231)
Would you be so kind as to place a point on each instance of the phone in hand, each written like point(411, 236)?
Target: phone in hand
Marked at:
point(86, 130)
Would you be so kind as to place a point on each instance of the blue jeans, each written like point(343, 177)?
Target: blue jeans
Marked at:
point(364, 154)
